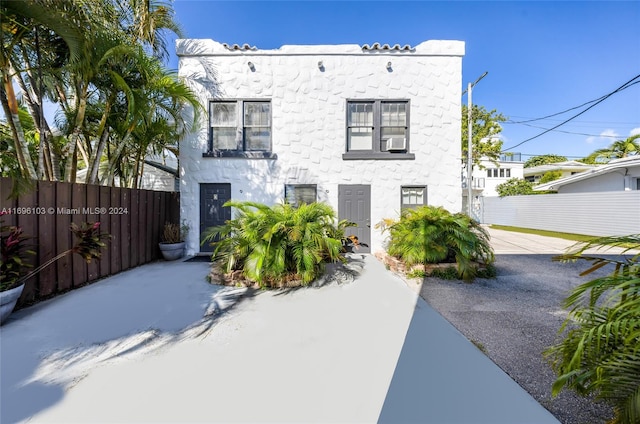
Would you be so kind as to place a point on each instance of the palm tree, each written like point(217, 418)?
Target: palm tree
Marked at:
point(432, 234)
point(276, 245)
point(618, 149)
point(20, 54)
point(600, 352)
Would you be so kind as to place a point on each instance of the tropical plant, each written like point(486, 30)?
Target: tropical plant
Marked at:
point(544, 160)
point(515, 187)
point(432, 234)
point(174, 233)
point(617, 150)
point(99, 61)
point(486, 129)
point(549, 176)
point(600, 350)
point(13, 248)
point(277, 245)
point(13, 252)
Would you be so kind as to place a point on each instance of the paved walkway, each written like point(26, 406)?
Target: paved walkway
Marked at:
point(151, 345)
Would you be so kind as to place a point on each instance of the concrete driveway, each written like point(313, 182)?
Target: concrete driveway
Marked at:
point(152, 345)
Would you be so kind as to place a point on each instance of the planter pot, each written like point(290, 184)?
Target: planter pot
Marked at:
point(8, 301)
point(172, 251)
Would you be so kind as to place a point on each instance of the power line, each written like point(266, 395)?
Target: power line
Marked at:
point(573, 108)
point(577, 122)
point(603, 98)
point(571, 132)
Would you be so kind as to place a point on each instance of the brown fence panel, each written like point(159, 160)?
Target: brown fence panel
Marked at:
point(133, 217)
point(134, 234)
point(142, 226)
point(29, 224)
point(105, 226)
point(63, 237)
point(116, 241)
point(93, 205)
point(79, 202)
point(150, 227)
point(125, 227)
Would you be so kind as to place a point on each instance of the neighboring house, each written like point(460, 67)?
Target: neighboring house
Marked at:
point(567, 168)
point(488, 176)
point(617, 175)
point(367, 129)
point(160, 173)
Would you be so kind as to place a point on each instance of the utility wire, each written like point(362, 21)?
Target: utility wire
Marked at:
point(570, 132)
point(570, 109)
point(603, 98)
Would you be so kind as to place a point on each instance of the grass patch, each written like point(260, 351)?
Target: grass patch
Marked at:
point(565, 236)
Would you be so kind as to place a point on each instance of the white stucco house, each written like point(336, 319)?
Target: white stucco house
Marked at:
point(617, 175)
point(367, 129)
point(566, 168)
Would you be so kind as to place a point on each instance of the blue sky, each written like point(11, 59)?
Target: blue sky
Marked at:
point(542, 57)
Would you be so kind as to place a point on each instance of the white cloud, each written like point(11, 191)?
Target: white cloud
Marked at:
point(609, 134)
point(634, 131)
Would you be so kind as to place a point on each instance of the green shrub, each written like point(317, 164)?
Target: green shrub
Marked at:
point(431, 234)
point(279, 244)
point(448, 273)
point(600, 352)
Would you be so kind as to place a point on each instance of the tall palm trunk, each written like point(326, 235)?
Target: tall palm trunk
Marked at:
point(10, 106)
point(72, 159)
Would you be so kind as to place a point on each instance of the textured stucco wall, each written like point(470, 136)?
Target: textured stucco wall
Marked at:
point(309, 122)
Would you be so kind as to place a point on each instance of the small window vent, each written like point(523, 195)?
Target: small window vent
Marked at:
point(396, 144)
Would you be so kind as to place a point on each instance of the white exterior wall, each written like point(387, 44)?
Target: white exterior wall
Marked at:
point(309, 123)
point(617, 180)
point(490, 183)
point(596, 214)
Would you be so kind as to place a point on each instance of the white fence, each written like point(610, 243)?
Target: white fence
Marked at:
point(597, 214)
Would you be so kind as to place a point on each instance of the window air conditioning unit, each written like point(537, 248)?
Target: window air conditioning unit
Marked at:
point(396, 144)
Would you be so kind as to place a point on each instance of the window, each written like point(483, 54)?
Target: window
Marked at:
point(372, 124)
point(498, 172)
point(239, 126)
point(413, 197)
point(297, 194)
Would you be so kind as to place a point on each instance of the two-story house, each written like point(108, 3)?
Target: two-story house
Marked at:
point(368, 129)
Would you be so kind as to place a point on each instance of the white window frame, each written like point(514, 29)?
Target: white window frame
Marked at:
point(413, 205)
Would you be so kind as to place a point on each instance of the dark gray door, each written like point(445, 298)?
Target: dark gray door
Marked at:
point(212, 214)
point(354, 204)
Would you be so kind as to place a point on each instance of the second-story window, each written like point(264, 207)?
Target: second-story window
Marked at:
point(378, 127)
point(240, 125)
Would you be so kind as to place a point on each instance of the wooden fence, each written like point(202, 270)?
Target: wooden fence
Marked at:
point(134, 218)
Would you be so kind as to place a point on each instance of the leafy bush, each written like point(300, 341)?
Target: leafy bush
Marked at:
point(549, 176)
point(600, 352)
point(514, 187)
point(279, 244)
point(432, 235)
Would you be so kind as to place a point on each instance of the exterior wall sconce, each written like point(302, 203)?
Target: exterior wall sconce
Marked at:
point(389, 68)
point(321, 66)
point(251, 66)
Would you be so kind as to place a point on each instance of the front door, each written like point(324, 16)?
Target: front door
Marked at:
point(212, 214)
point(354, 204)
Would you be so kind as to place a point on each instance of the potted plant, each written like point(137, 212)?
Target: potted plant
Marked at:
point(13, 251)
point(172, 240)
